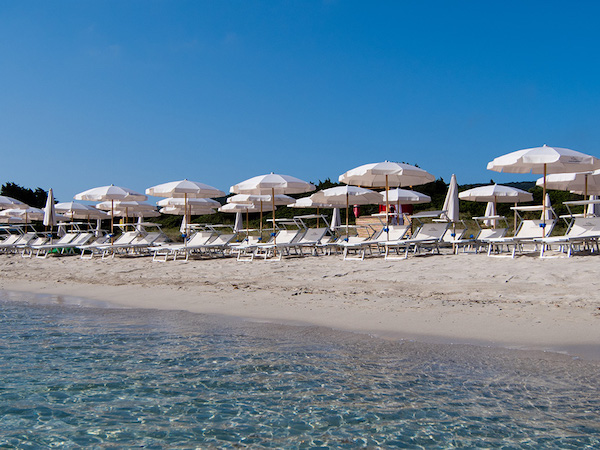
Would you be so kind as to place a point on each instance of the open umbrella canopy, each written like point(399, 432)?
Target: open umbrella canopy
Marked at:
point(184, 188)
point(386, 173)
point(496, 193)
point(107, 193)
point(272, 184)
point(244, 207)
point(11, 203)
point(191, 202)
point(11, 219)
point(307, 202)
point(130, 213)
point(554, 159)
point(405, 197)
point(28, 214)
point(76, 210)
point(280, 199)
point(179, 211)
point(582, 183)
point(341, 195)
point(123, 205)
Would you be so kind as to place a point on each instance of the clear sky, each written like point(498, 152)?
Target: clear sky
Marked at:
point(138, 93)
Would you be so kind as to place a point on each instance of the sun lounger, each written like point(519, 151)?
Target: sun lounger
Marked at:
point(276, 247)
point(527, 233)
point(428, 235)
point(66, 244)
point(107, 249)
point(582, 232)
point(394, 233)
point(163, 252)
point(309, 240)
point(13, 243)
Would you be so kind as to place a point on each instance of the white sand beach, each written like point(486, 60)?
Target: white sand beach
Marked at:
point(525, 303)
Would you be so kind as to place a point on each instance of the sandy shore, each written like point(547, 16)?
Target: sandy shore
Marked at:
point(551, 304)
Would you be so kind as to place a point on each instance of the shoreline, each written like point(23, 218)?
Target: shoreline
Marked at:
point(527, 304)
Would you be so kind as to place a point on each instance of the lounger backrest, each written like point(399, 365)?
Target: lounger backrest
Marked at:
point(433, 230)
point(10, 240)
point(66, 239)
point(147, 239)
point(126, 238)
point(26, 238)
point(313, 235)
point(200, 238)
point(396, 232)
point(491, 233)
point(585, 226)
point(355, 239)
point(531, 228)
point(81, 239)
point(288, 236)
point(222, 239)
point(452, 234)
point(40, 240)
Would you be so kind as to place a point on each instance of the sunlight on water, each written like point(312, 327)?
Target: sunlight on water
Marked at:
point(86, 376)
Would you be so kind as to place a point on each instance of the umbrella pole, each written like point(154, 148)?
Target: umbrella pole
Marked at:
point(273, 205)
point(387, 207)
point(185, 214)
point(515, 213)
point(347, 225)
point(248, 224)
point(317, 217)
point(261, 219)
point(544, 205)
point(585, 194)
point(112, 221)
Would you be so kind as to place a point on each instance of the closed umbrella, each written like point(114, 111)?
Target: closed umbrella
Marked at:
point(544, 160)
point(272, 184)
point(238, 225)
point(49, 213)
point(185, 189)
point(490, 211)
point(451, 201)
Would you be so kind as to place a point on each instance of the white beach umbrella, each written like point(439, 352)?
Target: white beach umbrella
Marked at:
point(544, 160)
point(180, 210)
point(406, 197)
point(496, 193)
point(451, 207)
point(238, 225)
point(187, 190)
point(245, 208)
point(546, 214)
point(261, 200)
point(11, 219)
point(110, 193)
point(192, 202)
point(345, 196)
point(272, 184)
point(27, 214)
point(133, 213)
point(11, 203)
point(336, 219)
point(385, 174)
point(76, 210)
point(583, 183)
point(49, 211)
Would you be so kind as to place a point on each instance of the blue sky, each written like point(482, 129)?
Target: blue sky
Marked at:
point(138, 93)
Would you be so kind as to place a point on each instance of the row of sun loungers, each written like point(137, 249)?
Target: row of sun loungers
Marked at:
point(395, 242)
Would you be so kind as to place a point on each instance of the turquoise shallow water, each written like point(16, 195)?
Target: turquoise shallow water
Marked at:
point(74, 376)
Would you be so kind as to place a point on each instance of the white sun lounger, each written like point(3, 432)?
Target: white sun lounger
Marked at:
point(428, 235)
point(394, 234)
point(163, 252)
point(582, 232)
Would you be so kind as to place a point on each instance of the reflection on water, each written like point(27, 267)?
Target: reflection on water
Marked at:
point(120, 377)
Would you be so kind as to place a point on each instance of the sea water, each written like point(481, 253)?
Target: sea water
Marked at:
point(77, 375)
